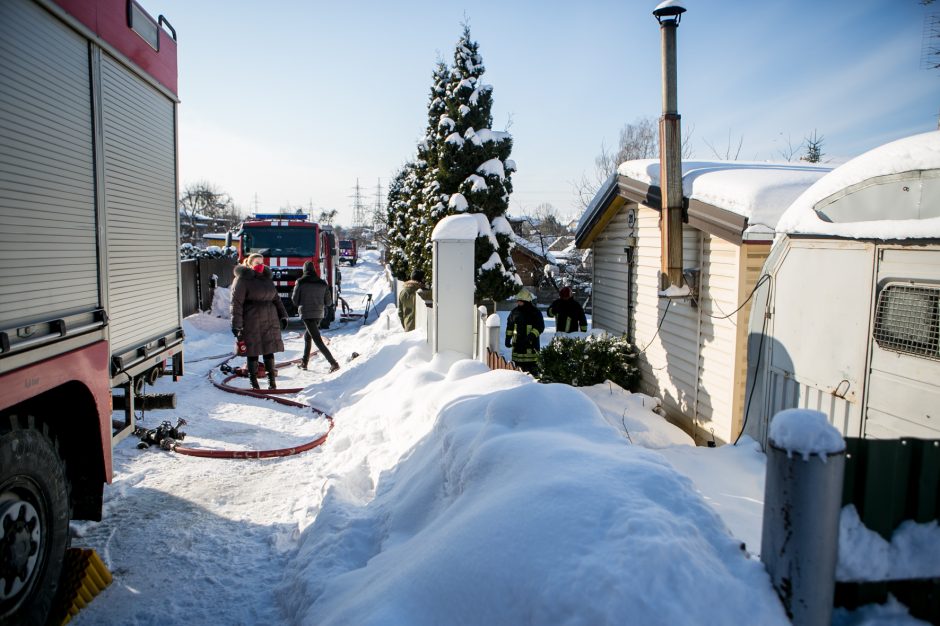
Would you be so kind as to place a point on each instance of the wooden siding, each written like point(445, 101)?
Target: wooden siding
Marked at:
point(690, 362)
point(612, 275)
point(751, 261)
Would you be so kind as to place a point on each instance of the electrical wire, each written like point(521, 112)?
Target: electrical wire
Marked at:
point(757, 285)
point(760, 353)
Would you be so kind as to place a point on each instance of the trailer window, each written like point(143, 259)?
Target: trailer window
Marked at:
point(280, 241)
point(142, 24)
point(908, 320)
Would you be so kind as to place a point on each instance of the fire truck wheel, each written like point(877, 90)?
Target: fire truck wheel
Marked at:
point(34, 520)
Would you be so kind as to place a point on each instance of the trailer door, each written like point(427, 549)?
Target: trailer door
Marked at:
point(904, 377)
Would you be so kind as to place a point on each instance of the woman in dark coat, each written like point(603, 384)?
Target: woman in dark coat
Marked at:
point(311, 296)
point(258, 316)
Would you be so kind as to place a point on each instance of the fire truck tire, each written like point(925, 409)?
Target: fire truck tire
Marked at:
point(34, 520)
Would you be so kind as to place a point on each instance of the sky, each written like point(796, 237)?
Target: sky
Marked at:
point(290, 103)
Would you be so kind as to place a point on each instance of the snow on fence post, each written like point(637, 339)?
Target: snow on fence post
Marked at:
point(492, 335)
point(453, 284)
point(802, 504)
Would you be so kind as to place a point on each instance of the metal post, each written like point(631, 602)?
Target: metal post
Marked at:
point(800, 540)
point(492, 334)
point(670, 153)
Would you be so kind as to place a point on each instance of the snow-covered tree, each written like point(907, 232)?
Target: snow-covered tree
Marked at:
point(397, 215)
point(472, 172)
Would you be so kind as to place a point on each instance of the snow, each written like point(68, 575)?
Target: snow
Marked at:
point(805, 432)
point(916, 153)
point(464, 109)
point(510, 165)
point(456, 227)
point(501, 226)
point(761, 192)
point(668, 4)
point(864, 555)
point(493, 167)
point(484, 135)
point(455, 139)
point(476, 183)
point(458, 202)
point(446, 493)
point(676, 292)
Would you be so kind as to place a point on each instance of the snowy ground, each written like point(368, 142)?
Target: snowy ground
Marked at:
point(446, 494)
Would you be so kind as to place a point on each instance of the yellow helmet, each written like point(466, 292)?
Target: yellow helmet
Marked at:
point(524, 294)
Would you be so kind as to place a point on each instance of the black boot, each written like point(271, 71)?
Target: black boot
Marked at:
point(269, 366)
point(253, 374)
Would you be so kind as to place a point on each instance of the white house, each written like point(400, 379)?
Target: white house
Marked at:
point(694, 346)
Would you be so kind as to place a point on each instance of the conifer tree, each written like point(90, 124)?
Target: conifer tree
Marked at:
point(473, 170)
point(814, 153)
point(397, 215)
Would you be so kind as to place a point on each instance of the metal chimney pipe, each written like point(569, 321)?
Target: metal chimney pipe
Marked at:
point(668, 14)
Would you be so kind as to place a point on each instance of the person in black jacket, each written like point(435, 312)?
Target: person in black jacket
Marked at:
point(524, 326)
point(569, 315)
point(311, 296)
point(258, 316)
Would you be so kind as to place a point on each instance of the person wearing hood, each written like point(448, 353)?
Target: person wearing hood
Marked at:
point(524, 327)
point(311, 296)
point(568, 313)
point(258, 316)
point(407, 298)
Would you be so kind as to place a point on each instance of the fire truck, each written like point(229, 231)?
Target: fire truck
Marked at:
point(348, 251)
point(89, 293)
point(287, 241)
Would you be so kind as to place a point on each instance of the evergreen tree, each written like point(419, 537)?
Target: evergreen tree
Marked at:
point(473, 171)
point(814, 153)
point(397, 215)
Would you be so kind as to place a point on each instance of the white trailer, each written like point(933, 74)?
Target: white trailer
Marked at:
point(847, 320)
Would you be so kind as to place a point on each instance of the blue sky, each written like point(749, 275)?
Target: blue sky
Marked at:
point(293, 101)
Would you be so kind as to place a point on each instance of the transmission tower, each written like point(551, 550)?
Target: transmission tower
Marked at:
point(359, 210)
point(378, 213)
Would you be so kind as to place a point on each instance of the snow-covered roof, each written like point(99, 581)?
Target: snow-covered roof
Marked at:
point(890, 192)
point(534, 249)
point(760, 192)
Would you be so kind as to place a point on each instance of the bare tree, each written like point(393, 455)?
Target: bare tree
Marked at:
point(731, 152)
point(790, 151)
point(638, 140)
point(203, 200)
point(326, 217)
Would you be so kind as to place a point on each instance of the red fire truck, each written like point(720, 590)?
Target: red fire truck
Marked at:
point(89, 292)
point(287, 241)
point(348, 251)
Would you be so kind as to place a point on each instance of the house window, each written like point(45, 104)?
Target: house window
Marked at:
point(908, 320)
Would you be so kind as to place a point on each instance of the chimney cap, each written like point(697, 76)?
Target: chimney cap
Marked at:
point(667, 9)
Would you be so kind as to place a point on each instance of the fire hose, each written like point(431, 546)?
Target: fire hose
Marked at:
point(268, 394)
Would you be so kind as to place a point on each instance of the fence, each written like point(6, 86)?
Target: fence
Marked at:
point(198, 277)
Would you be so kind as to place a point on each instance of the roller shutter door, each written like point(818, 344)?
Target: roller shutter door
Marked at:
point(48, 247)
point(140, 205)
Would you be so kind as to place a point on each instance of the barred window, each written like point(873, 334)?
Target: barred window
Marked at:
point(907, 320)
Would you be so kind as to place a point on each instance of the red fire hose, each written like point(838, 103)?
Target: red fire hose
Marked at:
point(269, 394)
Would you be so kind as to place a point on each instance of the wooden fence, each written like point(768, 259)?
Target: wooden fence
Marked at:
point(495, 361)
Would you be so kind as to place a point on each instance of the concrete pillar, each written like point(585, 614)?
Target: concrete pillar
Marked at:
point(453, 284)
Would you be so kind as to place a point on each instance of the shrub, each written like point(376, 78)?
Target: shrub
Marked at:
point(583, 362)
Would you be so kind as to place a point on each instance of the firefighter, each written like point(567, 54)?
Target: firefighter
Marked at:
point(568, 313)
point(311, 296)
point(258, 316)
point(524, 326)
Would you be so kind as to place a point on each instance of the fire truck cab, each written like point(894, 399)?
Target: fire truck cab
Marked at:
point(287, 241)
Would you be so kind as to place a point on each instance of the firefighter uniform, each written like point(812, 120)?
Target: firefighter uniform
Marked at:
point(524, 327)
